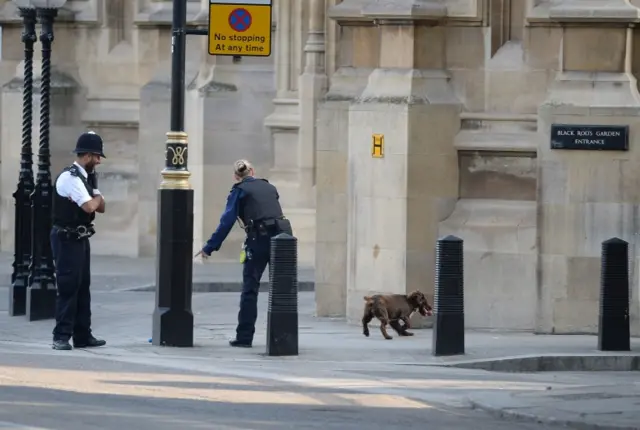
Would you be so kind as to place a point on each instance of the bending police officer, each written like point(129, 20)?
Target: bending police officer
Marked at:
point(254, 202)
point(75, 201)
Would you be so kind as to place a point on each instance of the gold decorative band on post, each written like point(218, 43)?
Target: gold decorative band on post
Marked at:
point(176, 175)
point(177, 137)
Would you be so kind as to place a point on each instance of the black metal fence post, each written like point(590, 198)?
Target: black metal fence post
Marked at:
point(448, 303)
point(22, 222)
point(41, 295)
point(282, 316)
point(613, 330)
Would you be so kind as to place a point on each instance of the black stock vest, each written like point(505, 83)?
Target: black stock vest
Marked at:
point(66, 213)
point(260, 201)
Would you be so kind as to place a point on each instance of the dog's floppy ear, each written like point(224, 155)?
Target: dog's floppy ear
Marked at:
point(416, 298)
point(414, 295)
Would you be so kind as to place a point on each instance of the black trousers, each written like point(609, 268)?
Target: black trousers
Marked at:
point(73, 278)
point(258, 250)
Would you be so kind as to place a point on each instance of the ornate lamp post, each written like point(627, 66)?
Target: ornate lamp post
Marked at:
point(41, 294)
point(22, 224)
point(172, 317)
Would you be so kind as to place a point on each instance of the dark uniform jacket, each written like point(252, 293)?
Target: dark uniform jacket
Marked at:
point(258, 201)
point(253, 200)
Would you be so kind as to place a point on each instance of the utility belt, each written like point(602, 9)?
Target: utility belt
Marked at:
point(74, 233)
point(268, 227)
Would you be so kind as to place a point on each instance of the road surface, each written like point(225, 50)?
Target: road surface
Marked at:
point(79, 390)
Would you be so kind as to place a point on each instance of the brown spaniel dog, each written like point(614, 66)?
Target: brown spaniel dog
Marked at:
point(393, 308)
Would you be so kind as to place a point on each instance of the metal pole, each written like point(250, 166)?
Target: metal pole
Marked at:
point(41, 295)
point(178, 60)
point(172, 317)
point(22, 223)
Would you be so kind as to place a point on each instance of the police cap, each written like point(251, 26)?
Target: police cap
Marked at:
point(91, 143)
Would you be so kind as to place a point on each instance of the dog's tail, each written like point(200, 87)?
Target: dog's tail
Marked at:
point(368, 298)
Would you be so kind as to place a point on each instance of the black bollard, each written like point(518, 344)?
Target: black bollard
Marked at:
point(613, 331)
point(448, 303)
point(282, 317)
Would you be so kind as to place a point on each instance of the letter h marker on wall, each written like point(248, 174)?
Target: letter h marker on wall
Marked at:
point(377, 146)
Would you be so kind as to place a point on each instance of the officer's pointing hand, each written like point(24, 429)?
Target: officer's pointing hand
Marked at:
point(202, 254)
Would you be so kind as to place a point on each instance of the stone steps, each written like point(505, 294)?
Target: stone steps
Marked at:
point(495, 131)
point(487, 140)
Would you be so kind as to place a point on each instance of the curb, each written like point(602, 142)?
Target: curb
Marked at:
point(513, 414)
point(220, 287)
point(587, 362)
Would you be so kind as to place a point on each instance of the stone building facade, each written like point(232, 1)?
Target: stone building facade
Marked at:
point(464, 93)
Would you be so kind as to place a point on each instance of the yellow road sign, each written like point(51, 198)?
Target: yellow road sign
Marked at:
point(240, 27)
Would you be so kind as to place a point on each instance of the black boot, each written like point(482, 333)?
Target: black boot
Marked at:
point(91, 342)
point(238, 344)
point(61, 345)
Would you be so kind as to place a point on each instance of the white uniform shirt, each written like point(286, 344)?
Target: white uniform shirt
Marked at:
point(73, 188)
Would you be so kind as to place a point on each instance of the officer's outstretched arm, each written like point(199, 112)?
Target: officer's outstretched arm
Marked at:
point(227, 220)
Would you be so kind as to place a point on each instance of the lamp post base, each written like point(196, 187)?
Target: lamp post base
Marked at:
point(172, 327)
point(41, 303)
point(172, 317)
point(18, 298)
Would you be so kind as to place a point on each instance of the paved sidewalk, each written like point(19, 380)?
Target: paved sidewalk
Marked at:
point(121, 273)
point(125, 318)
point(335, 354)
point(615, 405)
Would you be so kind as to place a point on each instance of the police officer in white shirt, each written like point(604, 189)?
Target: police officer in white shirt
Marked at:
point(76, 199)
